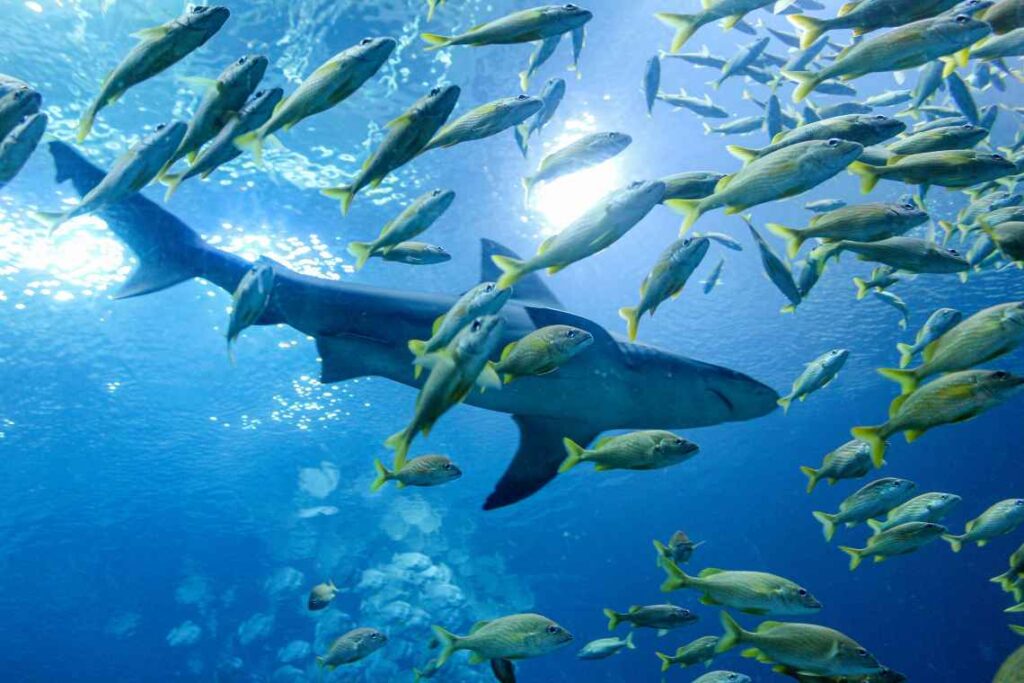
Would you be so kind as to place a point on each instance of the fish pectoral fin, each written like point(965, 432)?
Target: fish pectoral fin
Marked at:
point(538, 457)
point(474, 658)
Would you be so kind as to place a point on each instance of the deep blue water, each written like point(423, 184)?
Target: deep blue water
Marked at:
point(153, 523)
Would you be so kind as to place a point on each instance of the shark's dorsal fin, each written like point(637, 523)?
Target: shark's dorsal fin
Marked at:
point(528, 290)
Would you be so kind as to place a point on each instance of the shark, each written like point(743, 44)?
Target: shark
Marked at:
point(363, 331)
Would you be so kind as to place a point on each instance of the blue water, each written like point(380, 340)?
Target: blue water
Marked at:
point(158, 518)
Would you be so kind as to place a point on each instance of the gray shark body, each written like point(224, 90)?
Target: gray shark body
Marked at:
point(363, 331)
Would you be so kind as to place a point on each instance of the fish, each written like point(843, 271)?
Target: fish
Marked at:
point(666, 280)
point(750, 592)
point(1010, 671)
point(18, 145)
point(869, 15)
point(985, 204)
point(956, 397)
point(1000, 519)
point(222, 148)
point(649, 449)
point(782, 174)
point(787, 39)
point(725, 240)
point(747, 56)
point(715, 278)
point(652, 82)
point(776, 270)
point(741, 126)
point(321, 596)
point(414, 220)
point(890, 98)
point(981, 251)
point(852, 460)
point(664, 618)
point(362, 330)
point(416, 254)
point(428, 671)
point(774, 122)
point(679, 549)
point(602, 648)
point(1008, 238)
point(407, 136)
point(927, 85)
point(15, 105)
point(871, 500)
point(524, 26)
point(482, 300)
point(817, 374)
point(357, 644)
point(902, 539)
point(486, 120)
point(702, 107)
point(902, 48)
point(131, 172)
point(159, 48)
point(824, 205)
point(723, 677)
point(700, 651)
point(1000, 47)
point(1005, 16)
point(1009, 579)
point(330, 84)
point(807, 648)
point(839, 109)
point(939, 323)
point(927, 507)
point(538, 57)
point(597, 229)
point(964, 136)
point(704, 58)
point(432, 6)
point(865, 129)
point(542, 351)
point(691, 185)
point(589, 150)
point(517, 636)
point(910, 254)
point(423, 471)
point(455, 370)
point(250, 300)
point(897, 303)
point(985, 336)
point(859, 223)
point(550, 96)
point(960, 92)
point(223, 99)
point(807, 278)
point(729, 11)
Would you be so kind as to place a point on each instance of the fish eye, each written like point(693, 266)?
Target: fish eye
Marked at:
point(834, 142)
point(998, 157)
point(1018, 502)
point(376, 636)
point(953, 252)
point(366, 41)
point(435, 92)
point(242, 60)
point(802, 592)
point(435, 193)
point(522, 97)
point(679, 442)
point(259, 93)
point(862, 652)
point(1000, 374)
point(446, 466)
point(570, 6)
point(962, 19)
point(489, 288)
point(475, 327)
point(635, 184)
point(199, 10)
point(881, 117)
point(161, 126)
point(908, 206)
point(553, 629)
point(571, 334)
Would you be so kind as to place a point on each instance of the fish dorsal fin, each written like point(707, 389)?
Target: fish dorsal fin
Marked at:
point(397, 120)
point(474, 658)
point(778, 137)
point(768, 626)
point(530, 290)
point(507, 351)
point(633, 609)
point(151, 33)
point(846, 9)
point(707, 4)
point(724, 182)
point(437, 325)
point(479, 625)
point(929, 351)
point(602, 441)
point(710, 571)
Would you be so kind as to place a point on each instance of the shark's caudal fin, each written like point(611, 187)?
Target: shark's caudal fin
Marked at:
point(168, 251)
point(539, 455)
point(530, 289)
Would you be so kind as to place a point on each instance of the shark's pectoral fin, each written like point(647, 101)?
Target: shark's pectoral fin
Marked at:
point(504, 670)
point(539, 455)
point(348, 356)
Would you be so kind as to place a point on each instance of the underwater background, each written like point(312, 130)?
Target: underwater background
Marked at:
point(164, 513)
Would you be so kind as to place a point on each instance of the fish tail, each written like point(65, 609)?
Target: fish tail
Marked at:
point(632, 318)
point(662, 553)
point(435, 41)
point(676, 579)
point(251, 142)
point(684, 24)
point(666, 660)
point(806, 82)
point(813, 477)
point(690, 208)
point(86, 122)
point(399, 442)
point(907, 379)
point(1015, 609)
point(172, 181)
point(856, 555)
point(511, 270)
point(955, 542)
point(1005, 581)
point(873, 437)
point(524, 80)
point(734, 634)
point(431, 6)
point(344, 194)
point(875, 525)
point(869, 175)
point(630, 645)
point(785, 402)
point(522, 135)
point(828, 524)
point(948, 228)
point(794, 238)
point(48, 219)
point(449, 644)
point(528, 183)
point(574, 457)
point(362, 252)
point(614, 618)
point(809, 27)
point(1019, 630)
point(906, 353)
point(417, 675)
point(383, 475)
point(862, 288)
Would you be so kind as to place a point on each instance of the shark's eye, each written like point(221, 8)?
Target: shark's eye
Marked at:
point(570, 7)
point(998, 157)
point(881, 117)
point(953, 252)
point(1018, 502)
